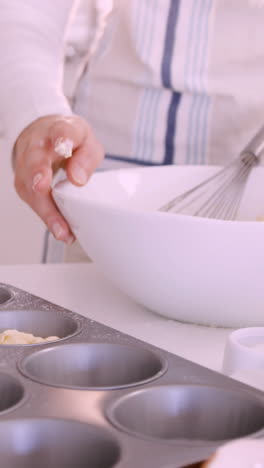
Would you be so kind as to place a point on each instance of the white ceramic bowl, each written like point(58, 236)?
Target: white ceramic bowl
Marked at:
point(192, 269)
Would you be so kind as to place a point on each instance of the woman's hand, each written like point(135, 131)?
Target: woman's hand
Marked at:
point(38, 154)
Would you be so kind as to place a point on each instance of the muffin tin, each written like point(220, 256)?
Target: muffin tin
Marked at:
point(98, 398)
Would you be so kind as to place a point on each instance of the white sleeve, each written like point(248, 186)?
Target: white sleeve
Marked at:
point(32, 36)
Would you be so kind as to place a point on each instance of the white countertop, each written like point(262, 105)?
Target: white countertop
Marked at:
point(80, 288)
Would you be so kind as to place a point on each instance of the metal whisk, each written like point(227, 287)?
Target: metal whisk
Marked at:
point(219, 196)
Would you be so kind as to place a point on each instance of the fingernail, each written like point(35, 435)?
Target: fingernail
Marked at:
point(58, 231)
point(36, 179)
point(63, 147)
point(70, 240)
point(79, 175)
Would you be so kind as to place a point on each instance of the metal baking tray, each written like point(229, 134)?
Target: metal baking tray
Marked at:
point(98, 398)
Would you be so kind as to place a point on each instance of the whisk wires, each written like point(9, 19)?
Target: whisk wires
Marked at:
point(219, 196)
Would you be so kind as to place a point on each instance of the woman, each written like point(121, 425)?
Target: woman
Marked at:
point(167, 82)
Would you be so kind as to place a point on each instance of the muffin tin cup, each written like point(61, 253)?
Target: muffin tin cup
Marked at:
point(41, 323)
point(56, 443)
point(190, 414)
point(93, 366)
point(12, 393)
point(5, 295)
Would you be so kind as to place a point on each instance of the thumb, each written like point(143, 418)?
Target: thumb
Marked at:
point(66, 134)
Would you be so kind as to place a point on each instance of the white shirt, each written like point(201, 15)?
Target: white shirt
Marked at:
point(170, 81)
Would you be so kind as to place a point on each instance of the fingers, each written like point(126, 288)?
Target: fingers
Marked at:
point(67, 134)
point(72, 135)
point(40, 150)
point(45, 207)
point(33, 183)
point(40, 178)
point(34, 169)
point(84, 161)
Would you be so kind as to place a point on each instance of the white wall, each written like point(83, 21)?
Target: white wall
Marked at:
point(21, 231)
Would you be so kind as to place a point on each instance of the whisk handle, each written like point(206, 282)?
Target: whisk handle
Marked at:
point(256, 145)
